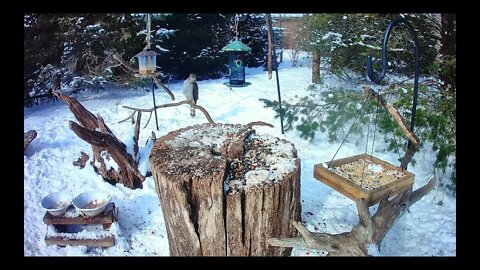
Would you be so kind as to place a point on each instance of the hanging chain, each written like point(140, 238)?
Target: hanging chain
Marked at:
point(349, 130)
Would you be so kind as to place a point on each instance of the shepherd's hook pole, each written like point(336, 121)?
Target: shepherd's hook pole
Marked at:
point(154, 105)
point(378, 78)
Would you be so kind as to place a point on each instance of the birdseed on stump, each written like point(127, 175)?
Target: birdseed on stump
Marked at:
point(224, 190)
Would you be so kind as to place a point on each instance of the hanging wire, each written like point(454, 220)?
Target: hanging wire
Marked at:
point(373, 140)
point(375, 123)
point(349, 130)
point(393, 135)
point(366, 150)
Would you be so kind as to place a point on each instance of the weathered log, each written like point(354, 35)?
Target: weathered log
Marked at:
point(126, 172)
point(105, 146)
point(28, 138)
point(369, 230)
point(215, 205)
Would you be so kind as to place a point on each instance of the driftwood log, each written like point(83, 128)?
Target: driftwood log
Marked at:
point(81, 161)
point(370, 230)
point(106, 147)
point(28, 138)
point(224, 190)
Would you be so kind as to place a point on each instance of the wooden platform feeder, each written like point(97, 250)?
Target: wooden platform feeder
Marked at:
point(371, 192)
point(59, 230)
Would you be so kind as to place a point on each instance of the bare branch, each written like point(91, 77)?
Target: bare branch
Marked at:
point(394, 113)
point(136, 135)
point(129, 117)
point(125, 64)
point(132, 71)
point(158, 82)
point(204, 111)
point(148, 121)
point(259, 123)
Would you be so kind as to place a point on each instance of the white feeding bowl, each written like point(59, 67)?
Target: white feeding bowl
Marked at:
point(57, 203)
point(91, 203)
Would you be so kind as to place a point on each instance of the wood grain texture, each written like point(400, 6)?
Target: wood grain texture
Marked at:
point(202, 220)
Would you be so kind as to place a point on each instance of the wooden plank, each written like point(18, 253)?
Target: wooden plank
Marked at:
point(108, 241)
point(394, 188)
point(389, 165)
point(341, 161)
point(340, 184)
point(106, 217)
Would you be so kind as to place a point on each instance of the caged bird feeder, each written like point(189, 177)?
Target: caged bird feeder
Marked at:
point(236, 63)
point(147, 61)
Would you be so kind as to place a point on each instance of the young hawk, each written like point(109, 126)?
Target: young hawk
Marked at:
point(190, 90)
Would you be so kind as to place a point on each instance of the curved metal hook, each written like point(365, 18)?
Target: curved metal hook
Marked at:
point(378, 78)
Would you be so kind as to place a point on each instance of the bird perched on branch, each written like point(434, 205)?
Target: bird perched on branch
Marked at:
point(190, 90)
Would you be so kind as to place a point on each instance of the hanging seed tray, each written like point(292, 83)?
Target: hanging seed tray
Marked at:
point(364, 176)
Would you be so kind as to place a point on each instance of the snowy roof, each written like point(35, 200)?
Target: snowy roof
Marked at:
point(146, 53)
point(236, 45)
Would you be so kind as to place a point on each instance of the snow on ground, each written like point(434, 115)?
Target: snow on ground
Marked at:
point(428, 229)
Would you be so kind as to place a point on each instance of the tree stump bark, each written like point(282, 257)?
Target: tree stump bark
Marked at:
point(224, 190)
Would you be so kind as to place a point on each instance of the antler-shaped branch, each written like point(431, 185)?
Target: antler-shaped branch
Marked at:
point(204, 111)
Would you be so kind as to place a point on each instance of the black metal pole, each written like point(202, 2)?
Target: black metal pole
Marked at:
point(274, 57)
point(378, 78)
point(154, 105)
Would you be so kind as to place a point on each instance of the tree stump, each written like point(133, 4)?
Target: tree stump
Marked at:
point(224, 190)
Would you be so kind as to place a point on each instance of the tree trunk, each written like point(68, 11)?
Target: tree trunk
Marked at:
point(448, 52)
point(315, 67)
point(270, 45)
point(28, 138)
point(448, 34)
point(213, 202)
